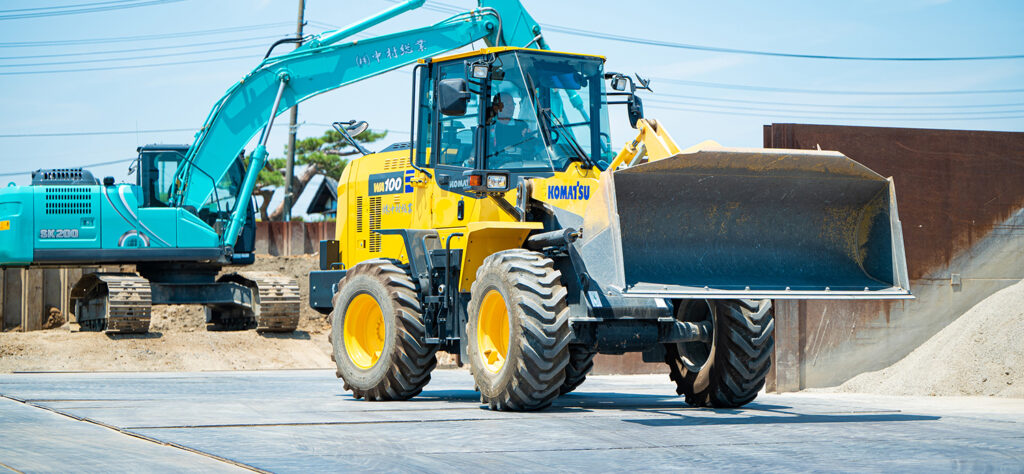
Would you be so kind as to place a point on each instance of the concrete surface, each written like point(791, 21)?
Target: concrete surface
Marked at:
point(302, 421)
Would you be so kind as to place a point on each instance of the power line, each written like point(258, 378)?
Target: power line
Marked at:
point(118, 39)
point(60, 7)
point(875, 113)
point(719, 49)
point(102, 163)
point(830, 118)
point(132, 66)
point(133, 50)
point(113, 132)
point(850, 106)
point(448, 8)
point(132, 58)
point(76, 11)
point(744, 87)
point(159, 130)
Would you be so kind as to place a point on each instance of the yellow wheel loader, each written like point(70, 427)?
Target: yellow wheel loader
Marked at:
point(511, 233)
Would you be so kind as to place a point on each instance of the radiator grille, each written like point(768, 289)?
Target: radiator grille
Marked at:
point(68, 200)
point(395, 163)
point(374, 224)
point(359, 214)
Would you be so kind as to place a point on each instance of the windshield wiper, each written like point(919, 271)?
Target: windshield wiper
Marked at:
point(576, 147)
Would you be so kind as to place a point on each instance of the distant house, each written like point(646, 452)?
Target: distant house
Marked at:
point(325, 200)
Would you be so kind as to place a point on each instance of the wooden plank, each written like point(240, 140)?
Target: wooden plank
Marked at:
point(53, 292)
point(73, 275)
point(33, 309)
point(296, 238)
point(12, 298)
point(2, 279)
point(262, 245)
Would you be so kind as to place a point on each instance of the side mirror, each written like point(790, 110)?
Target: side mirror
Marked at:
point(357, 128)
point(452, 96)
point(635, 110)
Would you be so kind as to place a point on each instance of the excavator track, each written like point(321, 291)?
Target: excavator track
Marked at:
point(117, 303)
point(276, 300)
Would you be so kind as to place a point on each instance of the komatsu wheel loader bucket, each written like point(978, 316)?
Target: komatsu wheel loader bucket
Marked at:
point(746, 223)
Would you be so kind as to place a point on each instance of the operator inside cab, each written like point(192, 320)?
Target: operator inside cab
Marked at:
point(510, 139)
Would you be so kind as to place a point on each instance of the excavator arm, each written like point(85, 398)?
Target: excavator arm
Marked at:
point(323, 63)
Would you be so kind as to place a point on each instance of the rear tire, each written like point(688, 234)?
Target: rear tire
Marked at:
point(581, 361)
point(730, 371)
point(379, 353)
point(518, 331)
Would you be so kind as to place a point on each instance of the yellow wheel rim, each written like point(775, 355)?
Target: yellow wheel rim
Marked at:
point(492, 331)
point(364, 331)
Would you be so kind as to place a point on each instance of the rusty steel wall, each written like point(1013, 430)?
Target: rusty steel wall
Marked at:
point(292, 238)
point(961, 203)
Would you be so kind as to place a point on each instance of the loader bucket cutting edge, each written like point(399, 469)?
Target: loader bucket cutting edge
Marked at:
point(748, 223)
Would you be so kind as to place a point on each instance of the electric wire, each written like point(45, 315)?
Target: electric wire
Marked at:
point(102, 163)
point(887, 114)
point(133, 66)
point(261, 45)
point(61, 7)
point(135, 50)
point(719, 49)
point(745, 87)
point(780, 116)
point(850, 106)
point(449, 8)
point(76, 11)
point(108, 132)
point(153, 37)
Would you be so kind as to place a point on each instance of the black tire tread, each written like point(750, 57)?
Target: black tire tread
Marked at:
point(742, 356)
point(413, 361)
point(581, 361)
point(540, 372)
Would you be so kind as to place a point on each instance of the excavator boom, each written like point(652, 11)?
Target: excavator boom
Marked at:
point(324, 63)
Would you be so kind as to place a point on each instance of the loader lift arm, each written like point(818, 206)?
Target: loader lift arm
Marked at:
point(323, 63)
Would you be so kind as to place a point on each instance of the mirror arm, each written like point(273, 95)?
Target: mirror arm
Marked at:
point(338, 126)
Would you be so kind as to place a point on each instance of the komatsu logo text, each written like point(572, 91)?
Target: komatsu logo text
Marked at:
point(390, 183)
point(575, 192)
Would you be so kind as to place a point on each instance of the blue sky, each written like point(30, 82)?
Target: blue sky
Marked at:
point(702, 102)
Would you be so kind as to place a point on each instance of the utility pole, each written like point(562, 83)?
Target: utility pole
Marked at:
point(289, 173)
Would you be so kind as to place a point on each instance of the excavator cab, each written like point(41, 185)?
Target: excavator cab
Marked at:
point(512, 113)
point(157, 165)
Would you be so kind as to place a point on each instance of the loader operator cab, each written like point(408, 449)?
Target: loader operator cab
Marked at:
point(512, 113)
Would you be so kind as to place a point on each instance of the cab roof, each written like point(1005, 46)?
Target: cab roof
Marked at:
point(502, 49)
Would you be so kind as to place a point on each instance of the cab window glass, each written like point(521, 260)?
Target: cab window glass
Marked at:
point(455, 144)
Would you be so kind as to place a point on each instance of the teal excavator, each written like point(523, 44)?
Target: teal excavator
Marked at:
point(190, 213)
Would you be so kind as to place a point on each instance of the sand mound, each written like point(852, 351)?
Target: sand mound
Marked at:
point(981, 353)
point(167, 350)
point(178, 340)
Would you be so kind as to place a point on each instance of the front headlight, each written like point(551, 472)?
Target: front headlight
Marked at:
point(497, 181)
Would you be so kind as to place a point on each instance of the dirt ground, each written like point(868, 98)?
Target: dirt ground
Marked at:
point(178, 340)
point(980, 353)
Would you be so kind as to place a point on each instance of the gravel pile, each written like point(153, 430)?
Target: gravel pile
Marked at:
point(981, 353)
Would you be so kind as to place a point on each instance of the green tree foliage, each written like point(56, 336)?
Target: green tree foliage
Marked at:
point(324, 155)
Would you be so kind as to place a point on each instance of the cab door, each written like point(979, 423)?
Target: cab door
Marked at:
point(453, 155)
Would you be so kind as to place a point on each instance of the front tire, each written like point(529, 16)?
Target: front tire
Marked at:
point(518, 331)
point(376, 333)
point(730, 371)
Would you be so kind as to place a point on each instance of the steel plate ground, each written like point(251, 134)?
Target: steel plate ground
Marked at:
point(302, 421)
